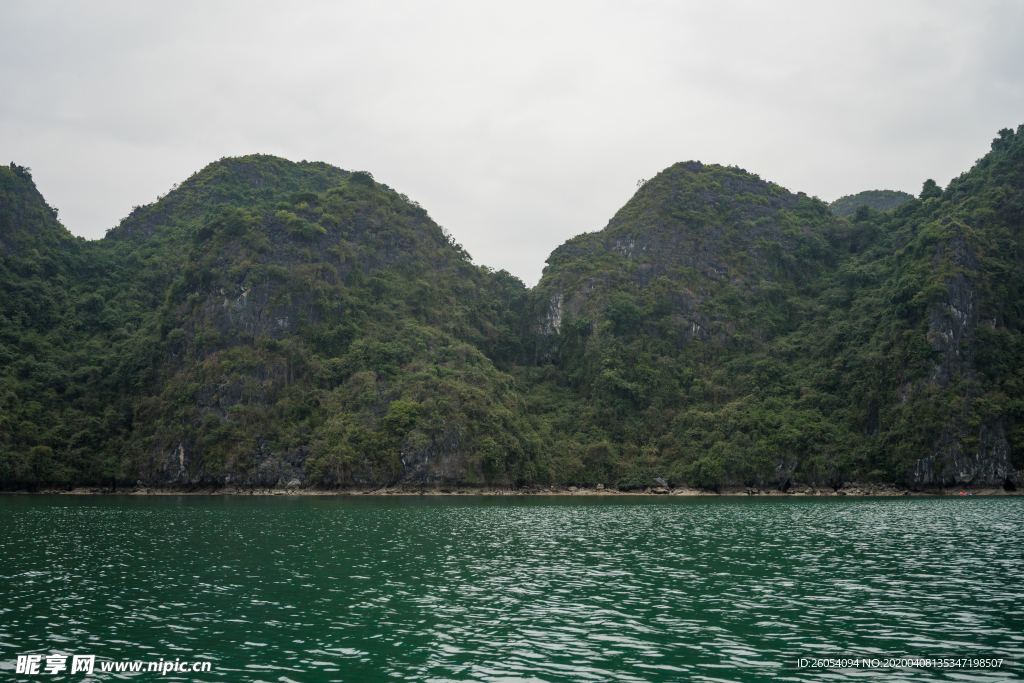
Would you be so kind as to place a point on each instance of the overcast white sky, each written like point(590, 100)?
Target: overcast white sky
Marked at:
point(516, 125)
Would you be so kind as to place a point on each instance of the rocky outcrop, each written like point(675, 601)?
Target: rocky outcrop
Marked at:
point(182, 465)
point(951, 333)
point(950, 464)
point(436, 459)
point(951, 324)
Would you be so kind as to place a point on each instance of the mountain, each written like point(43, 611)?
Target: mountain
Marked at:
point(269, 322)
point(724, 331)
point(879, 200)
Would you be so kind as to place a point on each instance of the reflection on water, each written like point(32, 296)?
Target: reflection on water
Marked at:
point(443, 589)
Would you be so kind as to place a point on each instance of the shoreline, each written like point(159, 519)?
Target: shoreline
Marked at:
point(865, 491)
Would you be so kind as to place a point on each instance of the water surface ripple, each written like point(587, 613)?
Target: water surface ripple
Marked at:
point(513, 590)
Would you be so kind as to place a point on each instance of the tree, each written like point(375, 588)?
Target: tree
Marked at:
point(930, 189)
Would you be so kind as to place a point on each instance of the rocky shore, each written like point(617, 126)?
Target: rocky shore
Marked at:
point(293, 489)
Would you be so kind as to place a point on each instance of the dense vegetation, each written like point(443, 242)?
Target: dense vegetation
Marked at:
point(269, 321)
point(879, 200)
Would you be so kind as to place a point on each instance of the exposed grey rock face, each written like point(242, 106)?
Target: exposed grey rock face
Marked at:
point(551, 321)
point(951, 332)
point(437, 459)
point(951, 465)
point(183, 466)
point(951, 325)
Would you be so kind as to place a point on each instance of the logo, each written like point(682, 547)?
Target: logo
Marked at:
point(55, 664)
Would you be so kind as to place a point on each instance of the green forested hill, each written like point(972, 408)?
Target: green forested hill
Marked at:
point(268, 322)
point(879, 200)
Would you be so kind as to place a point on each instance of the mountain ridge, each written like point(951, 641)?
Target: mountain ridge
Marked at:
point(269, 321)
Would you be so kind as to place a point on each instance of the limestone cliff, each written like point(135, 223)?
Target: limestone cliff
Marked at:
point(270, 323)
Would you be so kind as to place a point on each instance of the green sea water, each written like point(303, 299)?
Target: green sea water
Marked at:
point(283, 589)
